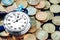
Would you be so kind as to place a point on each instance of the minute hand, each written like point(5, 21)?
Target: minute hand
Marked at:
point(17, 20)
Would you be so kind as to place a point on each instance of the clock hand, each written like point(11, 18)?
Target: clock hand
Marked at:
point(20, 19)
point(17, 20)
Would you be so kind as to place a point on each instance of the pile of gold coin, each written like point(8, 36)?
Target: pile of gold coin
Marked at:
point(44, 15)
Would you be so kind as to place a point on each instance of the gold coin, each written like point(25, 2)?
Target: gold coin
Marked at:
point(50, 16)
point(55, 1)
point(33, 25)
point(11, 8)
point(33, 2)
point(56, 20)
point(41, 4)
point(38, 24)
point(55, 35)
point(4, 34)
point(22, 2)
point(33, 29)
point(54, 8)
point(2, 8)
point(49, 27)
point(41, 34)
point(29, 37)
point(31, 10)
point(47, 5)
point(42, 16)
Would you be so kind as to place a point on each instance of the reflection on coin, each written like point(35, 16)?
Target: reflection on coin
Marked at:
point(31, 10)
point(29, 37)
point(7, 2)
point(42, 16)
point(22, 2)
point(41, 35)
point(33, 2)
point(50, 28)
point(56, 35)
point(41, 4)
point(56, 20)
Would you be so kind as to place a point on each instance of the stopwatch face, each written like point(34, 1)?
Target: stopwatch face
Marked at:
point(16, 21)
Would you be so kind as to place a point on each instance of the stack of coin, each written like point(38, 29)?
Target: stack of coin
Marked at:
point(43, 19)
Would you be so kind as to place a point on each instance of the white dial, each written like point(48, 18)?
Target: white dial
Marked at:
point(17, 21)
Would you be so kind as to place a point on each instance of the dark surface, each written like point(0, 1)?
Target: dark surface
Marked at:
point(2, 15)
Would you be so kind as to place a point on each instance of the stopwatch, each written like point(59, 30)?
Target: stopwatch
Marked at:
point(17, 23)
